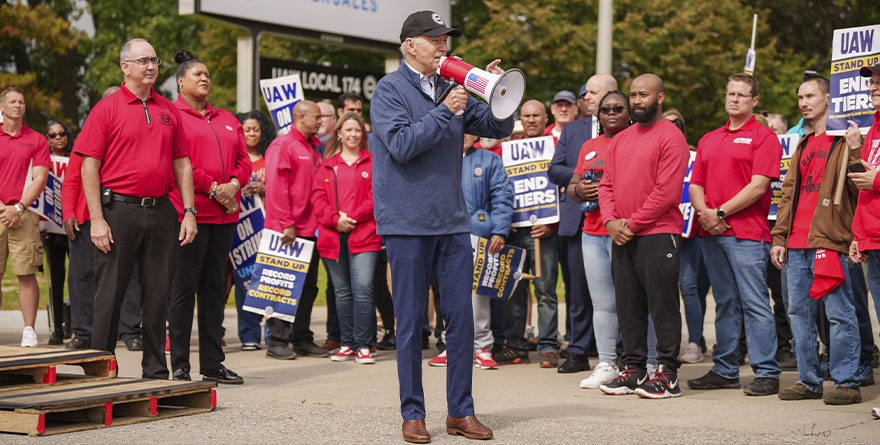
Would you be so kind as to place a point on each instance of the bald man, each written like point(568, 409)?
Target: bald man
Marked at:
point(577, 296)
point(290, 169)
point(639, 196)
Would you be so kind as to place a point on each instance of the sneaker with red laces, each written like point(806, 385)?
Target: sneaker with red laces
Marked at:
point(483, 359)
point(663, 385)
point(364, 357)
point(549, 359)
point(440, 360)
point(345, 354)
point(626, 382)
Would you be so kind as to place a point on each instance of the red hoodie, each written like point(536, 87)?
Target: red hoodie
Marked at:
point(327, 202)
point(866, 223)
point(290, 172)
point(218, 153)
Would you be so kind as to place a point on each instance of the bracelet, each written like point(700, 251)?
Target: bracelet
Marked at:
point(235, 184)
point(213, 192)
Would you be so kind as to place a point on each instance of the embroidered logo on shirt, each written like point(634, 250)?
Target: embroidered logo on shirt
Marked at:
point(365, 175)
point(229, 128)
point(304, 157)
point(590, 155)
point(165, 119)
point(742, 141)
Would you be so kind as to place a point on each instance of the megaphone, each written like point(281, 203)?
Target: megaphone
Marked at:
point(502, 92)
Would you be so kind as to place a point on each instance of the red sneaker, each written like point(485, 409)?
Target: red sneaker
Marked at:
point(483, 360)
point(345, 354)
point(364, 357)
point(440, 360)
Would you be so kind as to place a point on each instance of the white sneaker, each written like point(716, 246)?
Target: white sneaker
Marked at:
point(651, 368)
point(29, 338)
point(693, 354)
point(603, 373)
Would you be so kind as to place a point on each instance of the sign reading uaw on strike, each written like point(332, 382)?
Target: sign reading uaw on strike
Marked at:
point(789, 143)
point(852, 49)
point(279, 273)
point(281, 95)
point(535, 199)
point(246, 241)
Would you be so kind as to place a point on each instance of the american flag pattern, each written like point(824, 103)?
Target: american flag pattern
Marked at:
point(476, 83)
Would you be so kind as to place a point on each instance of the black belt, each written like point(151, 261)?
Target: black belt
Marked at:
point(142, 202)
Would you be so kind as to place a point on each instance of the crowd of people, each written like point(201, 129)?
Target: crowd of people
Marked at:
point(152, 191)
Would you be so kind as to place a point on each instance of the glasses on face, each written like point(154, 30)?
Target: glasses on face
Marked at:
point(738, 96)
point(56, 135)
point(607, 110)
point(144, 61)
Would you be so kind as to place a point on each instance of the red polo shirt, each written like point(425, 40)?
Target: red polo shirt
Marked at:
point(73, 200)
point(135, 154)
point(726, 161)
point(16, 153)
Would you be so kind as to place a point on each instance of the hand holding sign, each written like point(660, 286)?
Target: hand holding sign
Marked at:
point(853, 135)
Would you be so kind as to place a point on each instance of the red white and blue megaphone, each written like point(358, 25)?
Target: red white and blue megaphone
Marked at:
point(502, 92)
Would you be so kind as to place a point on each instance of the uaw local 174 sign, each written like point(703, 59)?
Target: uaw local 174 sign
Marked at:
point(281, 95)
point(852, 49)
point(280, 271)
point(496, 276)
point(535, 198)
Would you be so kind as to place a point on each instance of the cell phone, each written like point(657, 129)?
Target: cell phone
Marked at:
point(856, 167)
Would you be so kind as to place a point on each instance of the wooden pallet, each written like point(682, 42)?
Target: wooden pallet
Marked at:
point(53, 409)
point(39, 365)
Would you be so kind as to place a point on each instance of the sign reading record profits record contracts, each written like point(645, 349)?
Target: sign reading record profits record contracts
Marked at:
point(323, 82)
point(279, 276)
point(376, 20)
point(535, 198)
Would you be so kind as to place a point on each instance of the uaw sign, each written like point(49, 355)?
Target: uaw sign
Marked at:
point(496, 275)
point(279, 276)
point(687, 209)
point(281, 95)
point(789, 144)
point(535, 199)
point(324, 82)
point(851, 50)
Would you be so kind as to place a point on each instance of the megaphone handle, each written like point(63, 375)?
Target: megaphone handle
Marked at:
point(452, 85)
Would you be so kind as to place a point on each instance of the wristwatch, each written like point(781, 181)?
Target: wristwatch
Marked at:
point(190, 210)
point(720, 213)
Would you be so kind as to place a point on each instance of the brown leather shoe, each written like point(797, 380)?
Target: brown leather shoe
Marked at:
point(330, 345)
point(468, 427)
point(414, 431)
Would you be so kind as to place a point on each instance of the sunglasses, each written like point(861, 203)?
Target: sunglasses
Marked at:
point(56, 135)
point(607, 110)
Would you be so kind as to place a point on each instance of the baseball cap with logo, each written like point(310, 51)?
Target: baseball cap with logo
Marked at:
point(427, 23)
point(565, 95)
point(868, 71)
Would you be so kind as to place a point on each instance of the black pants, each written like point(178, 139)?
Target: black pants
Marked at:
point(200, 274)
point(56, 252)
point(81, 287)
point(780, 314)
point(279, 330)
point(645, 274)
point(145, 237)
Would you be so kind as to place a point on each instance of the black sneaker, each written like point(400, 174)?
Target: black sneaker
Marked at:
point(574, 363)
point(280, 352)
point(664, 385)
point(310, 350)
point(713, 381)
point(388, 343)
point(626, 382)
point(510, 356)
point(762, 386)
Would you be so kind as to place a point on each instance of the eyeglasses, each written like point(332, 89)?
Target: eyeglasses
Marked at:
point(607, 110)
point(144, 61)
point(56, 135)
point(738, 96)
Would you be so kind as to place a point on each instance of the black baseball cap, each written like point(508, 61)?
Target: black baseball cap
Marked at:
point(868, 71)
point(427, 23)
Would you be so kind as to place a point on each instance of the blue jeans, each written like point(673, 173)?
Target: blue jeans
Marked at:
point(874, 277)
point(737, 270)
point(597, 267)
point(841, 314)
point(545, 294)
point(694, 284)
point(352, 276)
point(248, 322)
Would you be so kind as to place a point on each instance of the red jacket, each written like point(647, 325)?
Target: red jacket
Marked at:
point(325, 204)
point(73, 199)
point(866, 225)
point(218, 153)
point(290, 174)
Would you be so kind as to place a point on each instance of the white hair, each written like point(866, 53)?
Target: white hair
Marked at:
point(123, 53)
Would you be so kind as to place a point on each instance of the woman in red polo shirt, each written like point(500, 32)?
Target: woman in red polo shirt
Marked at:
point(347, 241)
point(220, 165)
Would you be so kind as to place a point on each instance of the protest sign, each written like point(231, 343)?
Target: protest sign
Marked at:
point(246, 241)
point(687, 210)
point(281, 95)
point(48, 202)
point(496, 276)
point(279, 276)
point(789, 144)
point(852, 49)
point(536, 199)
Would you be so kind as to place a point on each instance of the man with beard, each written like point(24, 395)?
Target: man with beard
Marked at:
point(639, 196)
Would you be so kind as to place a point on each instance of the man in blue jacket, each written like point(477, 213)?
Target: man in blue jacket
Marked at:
point(421, 213)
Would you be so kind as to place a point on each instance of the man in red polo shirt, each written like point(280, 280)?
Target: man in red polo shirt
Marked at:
point(132, 144)
point(21, 147)
point(290, 171)
point(730, 190)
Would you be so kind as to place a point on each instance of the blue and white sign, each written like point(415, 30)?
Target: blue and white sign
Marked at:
point(48, 202)
point(789, 145)
point(496, 276)
point(535, 198)
point(279, 275)
point(687, 210)
point(243, 256)
point(281, 95)
point(852, 49)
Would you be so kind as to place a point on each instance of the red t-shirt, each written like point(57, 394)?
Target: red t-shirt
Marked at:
point(811, 168)
point(346, 181)
point(726, 161)
point(592, 158)
point(135, 155)
point(16, 154)
point(866, 223)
